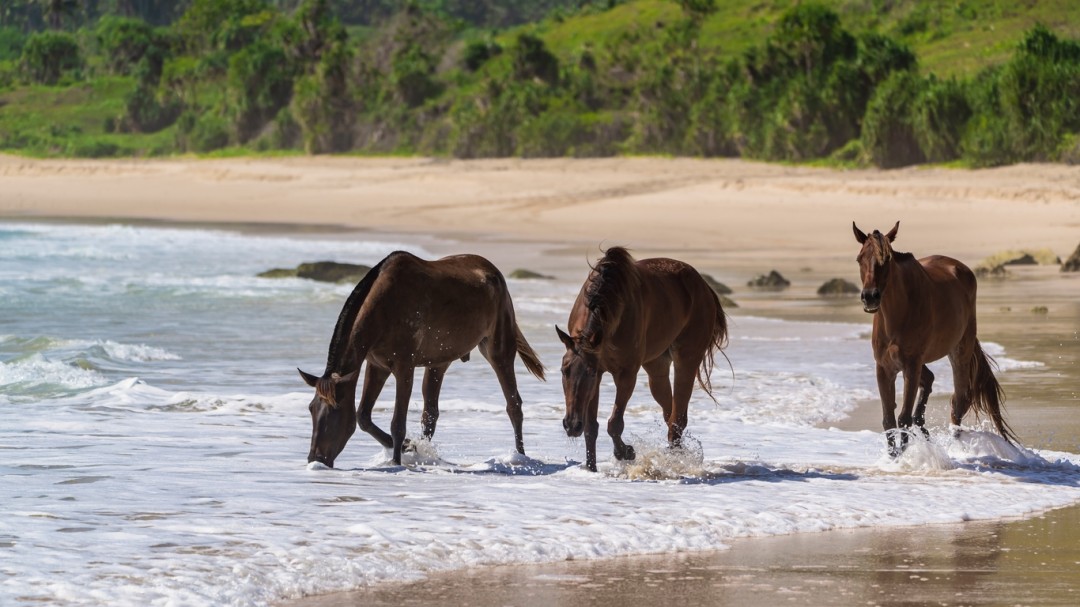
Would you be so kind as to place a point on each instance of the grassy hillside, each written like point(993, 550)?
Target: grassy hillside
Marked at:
point(949, 38)
point(887, 82)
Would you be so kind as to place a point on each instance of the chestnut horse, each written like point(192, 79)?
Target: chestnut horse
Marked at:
point(924, 310)
point(630, 314)
point(407, 313)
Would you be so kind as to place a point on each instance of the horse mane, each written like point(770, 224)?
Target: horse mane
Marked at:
point(614, 280)
point(343, 328)
point(883, 250)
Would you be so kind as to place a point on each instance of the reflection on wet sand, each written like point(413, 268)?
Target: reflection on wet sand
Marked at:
point(994, 563)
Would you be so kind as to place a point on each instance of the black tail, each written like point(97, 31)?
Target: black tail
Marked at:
point(987, 397)
point(528, 355)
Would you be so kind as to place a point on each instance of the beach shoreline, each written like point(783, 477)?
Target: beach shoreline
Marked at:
point(792, 219)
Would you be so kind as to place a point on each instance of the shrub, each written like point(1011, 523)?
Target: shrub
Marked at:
point(478, 52)
point(48, 55)
point(888, 134)
point(940, 114)
point(1040, 93)
point(531, 59)
point(413, 76)
point(259, 85)
point(12, 41)
point(323, 104)
point(210, 132)
point(124, 42)
point(146, 113)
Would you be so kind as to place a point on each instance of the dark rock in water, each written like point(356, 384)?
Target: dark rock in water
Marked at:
point(716, 285)
point(1024, 260)
point(727, 302)
point(322, 271)
point(997, 271)
point(1072, 264)
point(278, 273)
point(773, 280)
point(523, 274)
point(837, 287)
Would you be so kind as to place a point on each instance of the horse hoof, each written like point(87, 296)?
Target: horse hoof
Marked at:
point(629, 454)
point(408, 446)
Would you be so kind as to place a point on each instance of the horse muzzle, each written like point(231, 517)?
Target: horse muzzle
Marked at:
point(871, 300)
point(574, 428)
point(322, 459)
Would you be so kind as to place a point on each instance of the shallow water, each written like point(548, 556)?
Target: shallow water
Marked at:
point(154, 434)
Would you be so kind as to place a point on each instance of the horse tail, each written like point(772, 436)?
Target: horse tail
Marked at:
point(717, 342)
point(987, 395)
point(340, 342)
point(528, 355)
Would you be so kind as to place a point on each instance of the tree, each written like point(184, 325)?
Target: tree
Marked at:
point(56, 10)
point(47, 55)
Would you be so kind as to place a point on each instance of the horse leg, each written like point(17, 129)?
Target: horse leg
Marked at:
point(926, 381)
point(592, 428)
point(404, 378)
point(374, 379)
point(433, 378)
point(500, 355)
point(912, 375)
point(886, 381)
point(685, 374)
point(961, 360)
point(624, 387)
point(659, 372)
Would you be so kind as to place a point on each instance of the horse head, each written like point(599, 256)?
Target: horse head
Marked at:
point(874, 260)
point(580, 379)
point(333, 419)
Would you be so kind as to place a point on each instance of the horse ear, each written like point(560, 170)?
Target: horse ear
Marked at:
point(309, 379)
point(859, 234)
point(892, 233)
point(563, 337)
point(337, 379)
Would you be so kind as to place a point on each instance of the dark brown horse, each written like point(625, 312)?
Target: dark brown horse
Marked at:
point(407, 313)
point(924, 310)
point(631, 314)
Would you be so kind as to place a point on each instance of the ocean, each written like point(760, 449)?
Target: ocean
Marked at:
point(154, 433)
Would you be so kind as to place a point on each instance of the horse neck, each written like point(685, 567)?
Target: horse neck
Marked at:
point(904, 277)
point(345, 353)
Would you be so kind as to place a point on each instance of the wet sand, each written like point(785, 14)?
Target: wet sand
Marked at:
point(1029, 562)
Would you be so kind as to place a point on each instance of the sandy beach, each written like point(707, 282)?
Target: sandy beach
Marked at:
point(732, 218)
point(742, 212)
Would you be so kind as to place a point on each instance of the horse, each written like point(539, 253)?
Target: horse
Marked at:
point(407, 313)
point(652, 313)
point(924, 310)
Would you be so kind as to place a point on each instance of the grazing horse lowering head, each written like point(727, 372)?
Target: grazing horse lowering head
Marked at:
point(580, 379)
point(333, 419)
point(874, 260)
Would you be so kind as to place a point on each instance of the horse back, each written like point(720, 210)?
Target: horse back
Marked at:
point(436, 309)
point(676, 302)
point(950, 276)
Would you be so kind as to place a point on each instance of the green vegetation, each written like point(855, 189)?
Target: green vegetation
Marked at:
point(883, 82)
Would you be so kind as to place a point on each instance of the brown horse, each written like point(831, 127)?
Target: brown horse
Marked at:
point(631, 314)
point(924, 310)
point(407, 313)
